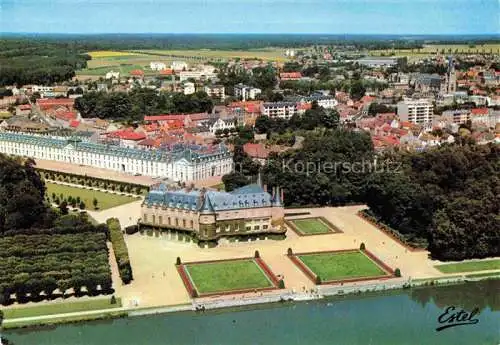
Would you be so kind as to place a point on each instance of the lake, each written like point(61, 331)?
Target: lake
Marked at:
point(403, 317)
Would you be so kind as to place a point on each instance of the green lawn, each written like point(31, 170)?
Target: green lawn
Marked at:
point(61, 308)
point(227, 275)
point(311, 226)
point(337, 266)
point(105, 200)
point(470, 266)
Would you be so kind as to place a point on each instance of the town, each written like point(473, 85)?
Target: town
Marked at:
point(168, 167)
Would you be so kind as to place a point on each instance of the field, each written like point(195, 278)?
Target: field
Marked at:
point(61, 308)
point(470, 266)
point(269, 54)
point(126, 61)
point(430, 49)
point(105, 200)
point(332, 266)
point(311, 226)
point(222, 276)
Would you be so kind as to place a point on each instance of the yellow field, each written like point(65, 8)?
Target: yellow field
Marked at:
point(270, 54)
point(98, 54)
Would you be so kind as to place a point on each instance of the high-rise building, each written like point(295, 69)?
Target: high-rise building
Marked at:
point(419, 111)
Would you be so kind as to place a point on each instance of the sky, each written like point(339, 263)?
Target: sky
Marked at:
point(252, 16)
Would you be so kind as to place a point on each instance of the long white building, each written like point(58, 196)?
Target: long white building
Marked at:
point(179, 164)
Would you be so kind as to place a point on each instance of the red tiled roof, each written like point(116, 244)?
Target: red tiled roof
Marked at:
point(194, 117)
point(127, 134)
point(167, 72)
point(291, 75)
point(46, 103)
point(367, 99)
point(147, 142)
point(479, 111)
point(65, 115)
point(25, 107)
point(137, 72)
point(74, 123)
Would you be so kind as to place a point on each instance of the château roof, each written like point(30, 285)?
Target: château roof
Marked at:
point(250, 196)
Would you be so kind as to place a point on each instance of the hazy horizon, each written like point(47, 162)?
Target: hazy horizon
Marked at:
point(336, 17)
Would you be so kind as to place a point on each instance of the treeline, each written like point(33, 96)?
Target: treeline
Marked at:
point(39, 62)
point(89, 181)
point(263, 78)
point(449, 196)
point(134, 105)
point(120, 250)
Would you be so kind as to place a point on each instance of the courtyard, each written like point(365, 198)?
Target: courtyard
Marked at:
point(104, 200)
point(153, 258)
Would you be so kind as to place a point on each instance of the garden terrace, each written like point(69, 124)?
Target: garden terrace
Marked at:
point(107, 184)
point(221, 277)
point(341, 266)
point(58, 193)
point(312, 226)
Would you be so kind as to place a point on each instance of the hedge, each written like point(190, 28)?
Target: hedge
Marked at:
point(120, 249)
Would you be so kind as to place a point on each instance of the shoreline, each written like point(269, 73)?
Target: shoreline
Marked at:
point(321, 292)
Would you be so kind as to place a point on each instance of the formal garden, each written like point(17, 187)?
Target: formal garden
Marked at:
point(84, 198)
point(111, 185)
point(207, 278)
point(341, 266)
point(312, 226)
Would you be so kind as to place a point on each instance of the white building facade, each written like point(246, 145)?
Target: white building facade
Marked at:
point(157, 66)
point(181, 164)
point(419, 111)
point(246, 92)
point(284, 110)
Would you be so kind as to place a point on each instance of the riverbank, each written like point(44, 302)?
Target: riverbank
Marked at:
point(228, 302)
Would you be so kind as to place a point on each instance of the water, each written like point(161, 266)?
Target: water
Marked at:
point(403, 317)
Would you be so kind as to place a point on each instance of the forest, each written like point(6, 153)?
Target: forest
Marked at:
point(41, 251)
point(39, 62)
point(139, 102)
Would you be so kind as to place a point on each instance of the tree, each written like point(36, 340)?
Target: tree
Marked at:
point(289, 252)
point(397, 272)
point(362, 246)
point(81, 205)
point(263, 124)
point(318, 280)
point(113, 300)
point(257, 254)
point(281, 284)
point(178, 261)
point(357, 90)
point(234, 180)
point(95, 202)
point(63, 207)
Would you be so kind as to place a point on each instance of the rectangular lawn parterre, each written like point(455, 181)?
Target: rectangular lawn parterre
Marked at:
point(470, 266)
point(331, 266)
point(223, 276)
point(311, 226)
point(105, 200)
